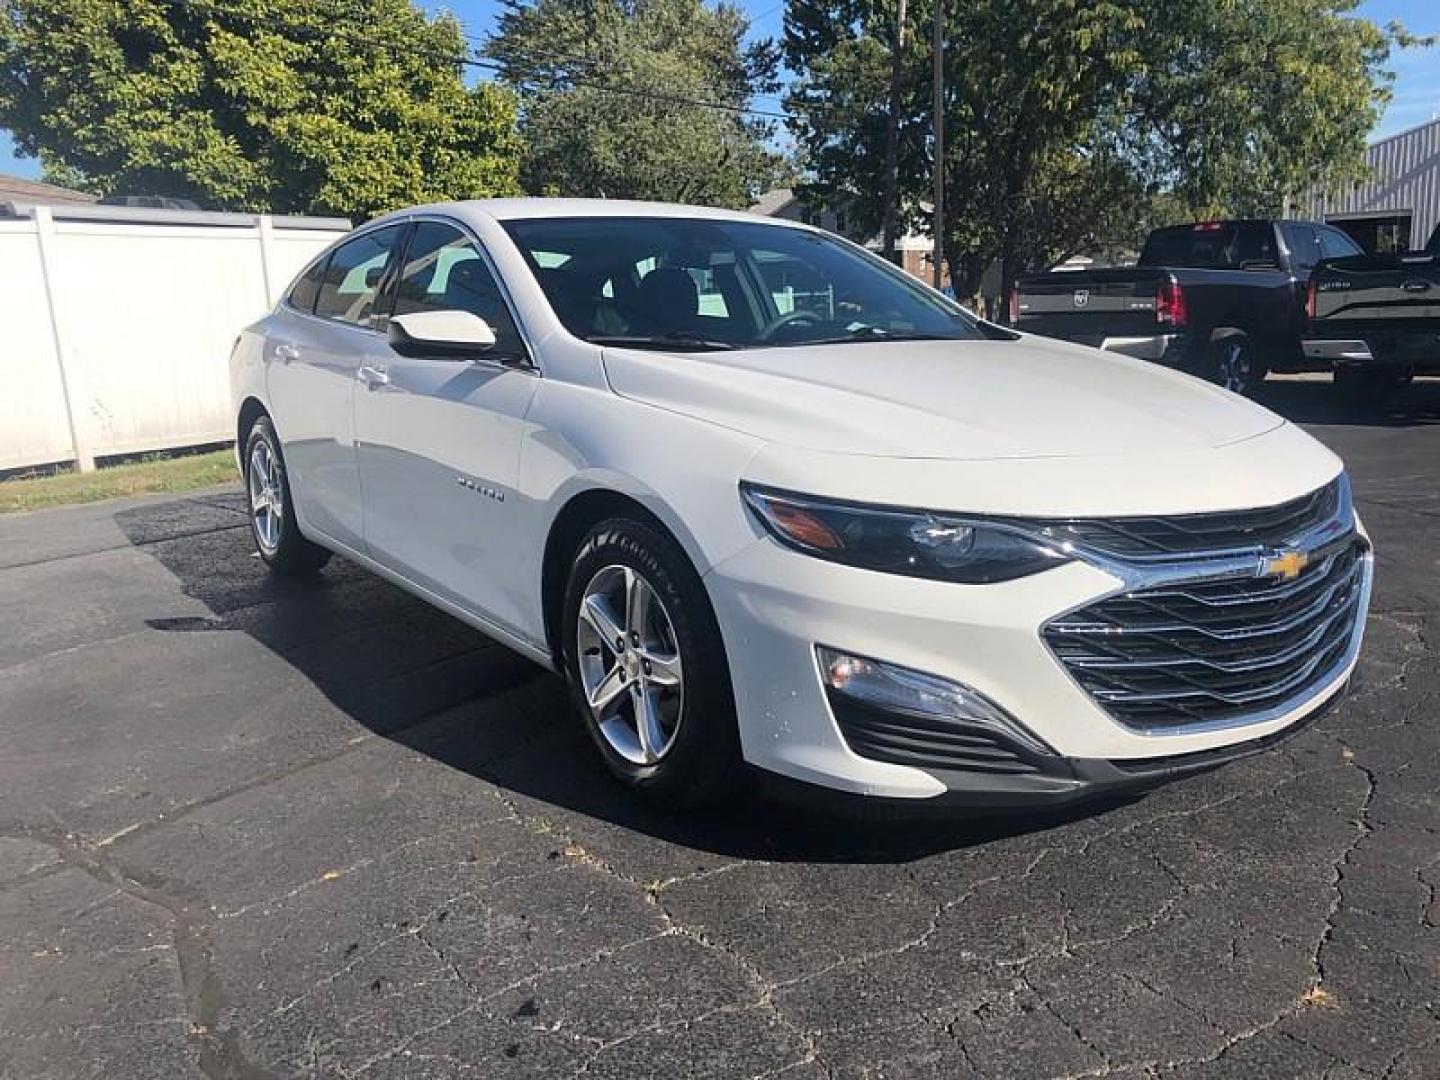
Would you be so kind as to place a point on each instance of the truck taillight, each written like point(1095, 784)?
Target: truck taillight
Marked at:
point(1170, 309)
point(1311, 299)
point(1014, 305)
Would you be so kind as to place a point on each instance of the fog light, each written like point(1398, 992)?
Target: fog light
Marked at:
point(902, 689)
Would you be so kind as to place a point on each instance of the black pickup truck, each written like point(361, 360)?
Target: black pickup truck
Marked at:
point(1376, 320)
point(1221, 299)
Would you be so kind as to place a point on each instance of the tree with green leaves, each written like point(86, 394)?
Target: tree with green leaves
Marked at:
point(641, 99)
point(320, 106)
point(1066, 119)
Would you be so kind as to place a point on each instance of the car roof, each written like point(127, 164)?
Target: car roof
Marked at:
point(520, 208)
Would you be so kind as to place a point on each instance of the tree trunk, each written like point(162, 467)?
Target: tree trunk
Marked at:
point(892, 140)
point(966, 270)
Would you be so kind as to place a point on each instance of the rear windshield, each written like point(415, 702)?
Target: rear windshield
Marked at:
point(1222, 245)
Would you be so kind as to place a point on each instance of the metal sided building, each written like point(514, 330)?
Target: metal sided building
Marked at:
point(1400, 206)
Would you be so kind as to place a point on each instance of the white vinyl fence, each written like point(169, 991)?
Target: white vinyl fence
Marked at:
point(119, 323)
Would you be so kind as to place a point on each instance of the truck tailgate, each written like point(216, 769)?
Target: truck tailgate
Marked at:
point(1377, 288)
point(1091, 305)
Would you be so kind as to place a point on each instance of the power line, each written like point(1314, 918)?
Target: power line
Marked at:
point(519, 77)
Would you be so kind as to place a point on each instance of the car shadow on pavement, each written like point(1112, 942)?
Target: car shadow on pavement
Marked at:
point(1316, 401)
point(411, 674)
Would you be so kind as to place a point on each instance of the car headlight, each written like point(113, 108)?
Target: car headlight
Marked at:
point(916, 543)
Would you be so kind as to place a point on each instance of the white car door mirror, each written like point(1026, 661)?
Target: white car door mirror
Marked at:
point(443, 335)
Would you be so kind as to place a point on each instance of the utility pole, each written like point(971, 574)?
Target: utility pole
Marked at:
point(938, 225)
point(892, 139)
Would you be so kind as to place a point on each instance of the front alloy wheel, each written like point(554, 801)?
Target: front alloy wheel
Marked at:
point(646, 664)
point(630, 667)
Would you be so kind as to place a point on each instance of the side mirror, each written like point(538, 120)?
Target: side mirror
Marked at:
point(441, 335)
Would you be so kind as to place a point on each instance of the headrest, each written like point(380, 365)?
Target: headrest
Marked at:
point(670, 296)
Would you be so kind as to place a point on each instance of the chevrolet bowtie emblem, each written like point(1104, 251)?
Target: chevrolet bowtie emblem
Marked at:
point(1286, 566)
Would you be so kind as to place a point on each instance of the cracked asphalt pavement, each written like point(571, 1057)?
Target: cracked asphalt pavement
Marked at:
point(251, 829)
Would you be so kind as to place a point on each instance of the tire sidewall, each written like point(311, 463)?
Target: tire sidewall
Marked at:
point(705, 753)
point(293, 554)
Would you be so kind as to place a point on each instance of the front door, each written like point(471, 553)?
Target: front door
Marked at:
point(439, 439)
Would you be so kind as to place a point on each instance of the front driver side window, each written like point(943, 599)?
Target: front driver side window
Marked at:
point(443, 271)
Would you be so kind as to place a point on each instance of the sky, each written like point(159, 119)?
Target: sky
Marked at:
point(1416, 88)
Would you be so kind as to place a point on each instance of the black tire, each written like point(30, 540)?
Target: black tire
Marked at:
point(1367, 388)
point(286, 551)
point(1233, 362)
point(702, 764)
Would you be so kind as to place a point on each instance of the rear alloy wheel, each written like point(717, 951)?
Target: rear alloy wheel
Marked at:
point(272, 518)
point(1233, 365)
point(647, 666)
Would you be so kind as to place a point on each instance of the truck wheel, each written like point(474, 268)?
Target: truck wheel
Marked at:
point(1367, 388)
point(1233, 364)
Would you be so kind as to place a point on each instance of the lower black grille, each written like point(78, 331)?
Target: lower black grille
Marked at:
point(929, 742)
point(1217, 651)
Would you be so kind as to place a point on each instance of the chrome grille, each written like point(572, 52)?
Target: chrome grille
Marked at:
point(1188, 535)
point(1217, 651)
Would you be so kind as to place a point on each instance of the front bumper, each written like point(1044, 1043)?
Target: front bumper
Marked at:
point(775, 606)
point(1083, 780)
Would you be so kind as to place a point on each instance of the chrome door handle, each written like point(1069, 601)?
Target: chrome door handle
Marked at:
point(286, 353)
point(373, 376)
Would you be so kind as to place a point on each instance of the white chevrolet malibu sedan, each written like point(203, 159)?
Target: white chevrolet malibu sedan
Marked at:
point(766, 501)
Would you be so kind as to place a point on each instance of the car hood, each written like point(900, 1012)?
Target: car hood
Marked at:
point(956, 400)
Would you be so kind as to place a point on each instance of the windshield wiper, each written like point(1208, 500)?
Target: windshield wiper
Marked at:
point(680, 339)
point(878, 333)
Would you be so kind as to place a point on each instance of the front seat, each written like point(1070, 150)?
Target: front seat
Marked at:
point(669, 300)
point(566, 299)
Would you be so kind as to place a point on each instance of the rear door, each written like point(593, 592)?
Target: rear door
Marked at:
point(439, 439)
point(312, 359)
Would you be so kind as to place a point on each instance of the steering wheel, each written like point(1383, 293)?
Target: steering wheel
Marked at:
point(781, 321)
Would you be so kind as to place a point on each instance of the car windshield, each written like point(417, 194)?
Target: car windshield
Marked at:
point(700, 284)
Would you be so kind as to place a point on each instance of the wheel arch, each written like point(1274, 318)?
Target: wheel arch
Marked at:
point(581, 512)
point(251, 409)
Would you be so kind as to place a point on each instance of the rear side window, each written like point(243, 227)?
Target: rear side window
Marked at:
point(353, 275)
point(1334, 244)
point(1304, 246)
point(304, 292)
point(1215, 245)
